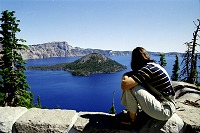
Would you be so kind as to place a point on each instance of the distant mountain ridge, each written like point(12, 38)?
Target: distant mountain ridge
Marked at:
point(63, 49)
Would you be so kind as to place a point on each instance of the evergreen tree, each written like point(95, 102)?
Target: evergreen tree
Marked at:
point(162, 60)
point(38, 104)
point(13, 84)
point(189, 72)
point(57, 107)
point(112, 109)
point(175, 70)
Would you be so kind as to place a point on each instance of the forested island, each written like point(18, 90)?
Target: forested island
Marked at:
point(90, 64)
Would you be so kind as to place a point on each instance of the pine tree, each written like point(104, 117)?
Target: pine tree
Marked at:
point(112, 109)
point(57, 107)
point(13, 83)
point(38, 105)
point(176, 68)
point(162, 60)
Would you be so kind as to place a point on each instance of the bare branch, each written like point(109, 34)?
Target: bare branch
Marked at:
point(195, 24)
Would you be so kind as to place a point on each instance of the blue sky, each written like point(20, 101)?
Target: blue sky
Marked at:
point(157, 25)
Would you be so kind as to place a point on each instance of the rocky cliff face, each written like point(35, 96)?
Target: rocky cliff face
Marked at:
point(63, 49)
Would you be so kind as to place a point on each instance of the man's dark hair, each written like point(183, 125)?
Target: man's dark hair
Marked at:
point(140, 57)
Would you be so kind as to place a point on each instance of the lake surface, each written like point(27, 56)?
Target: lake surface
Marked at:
point(92, 93)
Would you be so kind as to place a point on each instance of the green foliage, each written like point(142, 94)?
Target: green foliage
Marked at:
point(13, 82)
point(1, 98)
point(176, 68)
point(162, 60)
point(94, 65)
point(38, 104)
point(81, 67)
point(24, 99)
point(112, 109)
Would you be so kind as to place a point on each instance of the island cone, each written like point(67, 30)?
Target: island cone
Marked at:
point(90, 64)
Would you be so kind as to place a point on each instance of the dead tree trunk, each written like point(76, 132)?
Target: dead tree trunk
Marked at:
point(193, 71)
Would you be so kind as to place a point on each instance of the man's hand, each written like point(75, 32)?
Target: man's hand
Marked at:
point(127, 83)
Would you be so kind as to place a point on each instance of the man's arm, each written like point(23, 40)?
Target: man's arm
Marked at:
point(127, 83)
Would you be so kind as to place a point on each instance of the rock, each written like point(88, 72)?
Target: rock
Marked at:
point(81, 122)
point(189, 114)
point(188, 105)
point(63, 49)
point(93, 122)
point(89, 122)
point(173, 125)
point(8, 117)
point(44, 120)
point(182, 88)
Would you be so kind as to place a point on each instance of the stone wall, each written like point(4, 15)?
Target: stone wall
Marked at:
point(34, 120)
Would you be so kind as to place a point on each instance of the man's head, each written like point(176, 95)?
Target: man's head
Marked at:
point(140, 57)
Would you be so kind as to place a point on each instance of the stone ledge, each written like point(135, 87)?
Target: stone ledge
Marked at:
point(91, 122)
point(8, 117)
point(22, 120)
point(44, 120)
point(34, 120)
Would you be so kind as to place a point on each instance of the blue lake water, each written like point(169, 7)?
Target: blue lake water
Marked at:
point(92, 93)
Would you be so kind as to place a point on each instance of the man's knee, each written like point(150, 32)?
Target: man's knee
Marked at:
point(139, 91)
